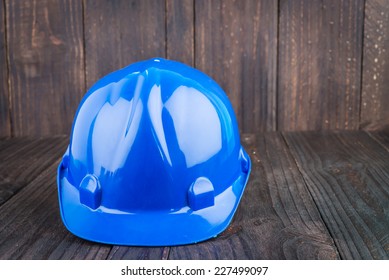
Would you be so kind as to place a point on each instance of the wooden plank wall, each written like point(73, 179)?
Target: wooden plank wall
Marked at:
point(118, 33)
point(285, 64)
point(375, 86)
point(46, 64)
point(5, 124)
point(236, 44)
point(320, 64)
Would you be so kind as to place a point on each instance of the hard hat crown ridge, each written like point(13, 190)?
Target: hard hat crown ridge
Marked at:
point(154, 158)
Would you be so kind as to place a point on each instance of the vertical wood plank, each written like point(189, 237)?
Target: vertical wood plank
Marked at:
point(375, 82)
point(118, 33)
point(320, 48)
point(236, 44)
point(180, 30)
point(46, 64)
point(5, 126)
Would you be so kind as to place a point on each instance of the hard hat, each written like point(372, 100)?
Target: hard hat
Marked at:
point(154, 158)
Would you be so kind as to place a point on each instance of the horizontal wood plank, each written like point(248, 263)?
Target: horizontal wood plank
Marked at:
point(137, 253)
point(276, 218)
point(382, 137)
point(31, 226)
point(310, 196)
point(32, 163)
point(72, 248)
point(23, 159)
point(347, 175)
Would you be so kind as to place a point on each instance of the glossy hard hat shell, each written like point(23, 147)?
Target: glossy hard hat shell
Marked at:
point(154, 158)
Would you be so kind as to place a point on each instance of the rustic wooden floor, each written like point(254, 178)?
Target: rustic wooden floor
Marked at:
point(310, 196)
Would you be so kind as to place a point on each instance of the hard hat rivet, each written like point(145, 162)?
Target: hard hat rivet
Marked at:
point(201, 194)
point(90, 192)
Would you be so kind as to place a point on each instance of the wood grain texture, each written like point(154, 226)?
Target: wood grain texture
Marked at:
point(23, 159)
point(276, 218)
point(382, 137)
point(347, 175)
point(5, 123)
point(320, 49)
point(236, 44)
point(29, 167)
point(375, 86)
point(298, 190)
point(118, 33)
point(46, 64)
point(137, 253)
point(180, 30)
point(31, 226)
point(70, 247)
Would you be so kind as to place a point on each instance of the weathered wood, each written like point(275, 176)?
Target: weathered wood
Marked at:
point(74, 248)
point(276, 218)
point(236, 44)
point(31, 163)
point(7, 142)
point(137, 253)
point(347, 176)
point(5, 124)
point(382, 137)
point(180, 30)
point(45, 45)
point(118, 33)
point(375, 86)
point(31, 227)
point(320, 48)
point(24, 159)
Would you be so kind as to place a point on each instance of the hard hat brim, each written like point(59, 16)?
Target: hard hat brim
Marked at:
point(148, 228)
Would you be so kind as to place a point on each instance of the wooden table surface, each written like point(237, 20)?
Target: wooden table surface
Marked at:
point(310, 195)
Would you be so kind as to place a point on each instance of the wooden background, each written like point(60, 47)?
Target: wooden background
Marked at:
point(285, 64)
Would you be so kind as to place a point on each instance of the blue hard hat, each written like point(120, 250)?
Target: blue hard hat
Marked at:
point(154, 158)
